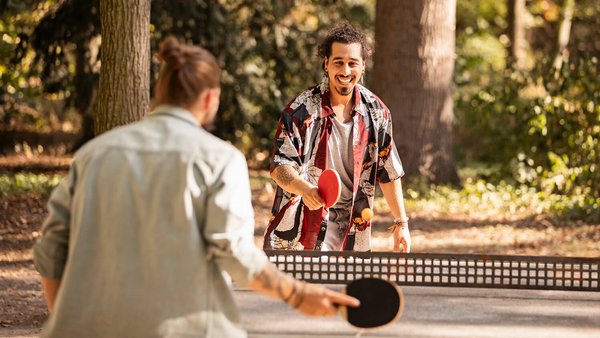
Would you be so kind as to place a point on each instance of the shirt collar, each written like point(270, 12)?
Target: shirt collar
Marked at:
point(177, 112)
point(357, 104)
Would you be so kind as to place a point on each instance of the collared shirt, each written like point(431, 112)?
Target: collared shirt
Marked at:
point(141, 230)
point(301, 142)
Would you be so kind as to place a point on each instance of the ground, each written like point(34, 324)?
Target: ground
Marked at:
point(23, 310)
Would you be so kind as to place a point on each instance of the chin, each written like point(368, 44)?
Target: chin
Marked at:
point(345, 91)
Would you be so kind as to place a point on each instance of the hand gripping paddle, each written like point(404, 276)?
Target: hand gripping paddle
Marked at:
point(330, 187)
point(381, 302)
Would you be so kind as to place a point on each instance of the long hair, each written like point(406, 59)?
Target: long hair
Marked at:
point(186, 72)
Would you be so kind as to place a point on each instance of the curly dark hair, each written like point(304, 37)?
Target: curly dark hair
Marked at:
point(343, 32)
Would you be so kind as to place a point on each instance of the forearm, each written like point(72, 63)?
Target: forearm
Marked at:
point(310, 299)
point(274, 283)
point(50, 287)
point(289, 180)
point(392, 191)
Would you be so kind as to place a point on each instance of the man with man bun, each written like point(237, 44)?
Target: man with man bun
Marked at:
point(151, 216)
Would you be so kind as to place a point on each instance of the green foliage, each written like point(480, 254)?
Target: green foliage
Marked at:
point(483, 15)
point(537, 128)
point(28, 183)
point(542, 128)
point(21, 97)
point(481, 199)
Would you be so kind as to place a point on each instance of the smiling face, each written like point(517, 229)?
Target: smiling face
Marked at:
point(345, 67)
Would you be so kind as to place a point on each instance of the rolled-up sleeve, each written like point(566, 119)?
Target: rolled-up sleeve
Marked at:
point(229, 224)
point(390, 165)
point(287, 143)
point(51, 250)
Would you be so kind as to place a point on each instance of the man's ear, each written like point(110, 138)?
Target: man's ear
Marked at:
point(325, 63)
point(207, 96)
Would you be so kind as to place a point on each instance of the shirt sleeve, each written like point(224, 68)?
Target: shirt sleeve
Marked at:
point(229, 224)
point(389, 166)
point(286, 150)
point(51, 250)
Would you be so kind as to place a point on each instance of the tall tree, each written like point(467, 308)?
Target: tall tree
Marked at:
point(564, 32)
point(413, 66)
point(125, 60)
point(516, 31)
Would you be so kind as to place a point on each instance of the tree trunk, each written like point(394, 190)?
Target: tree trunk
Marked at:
point(413, 67)
point(516, 32)
point(564, 33)
point(125, 58)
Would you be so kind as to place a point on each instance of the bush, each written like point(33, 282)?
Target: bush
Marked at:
point(541, 128)
point(28, 183)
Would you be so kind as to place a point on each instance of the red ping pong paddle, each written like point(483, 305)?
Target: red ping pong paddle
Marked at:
point(381, 302)
point(330, 187)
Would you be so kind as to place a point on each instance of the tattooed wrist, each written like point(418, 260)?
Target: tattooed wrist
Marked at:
point(275, 281)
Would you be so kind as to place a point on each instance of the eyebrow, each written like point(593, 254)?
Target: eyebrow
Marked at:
point(341, 58)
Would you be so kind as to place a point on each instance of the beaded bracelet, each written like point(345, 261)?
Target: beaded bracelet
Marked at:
point(300, 298)
point(400, 222)
point(292, 293)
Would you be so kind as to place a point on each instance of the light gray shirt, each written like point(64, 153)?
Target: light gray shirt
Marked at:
point(341, 158)
point(141, 230)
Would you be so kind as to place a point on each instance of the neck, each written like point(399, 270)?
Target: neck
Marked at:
point(341, 105)
point(337, 99)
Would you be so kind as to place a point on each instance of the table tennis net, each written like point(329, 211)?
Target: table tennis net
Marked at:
point(446, 270)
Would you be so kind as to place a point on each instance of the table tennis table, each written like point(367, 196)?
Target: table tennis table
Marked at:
point(446, 295)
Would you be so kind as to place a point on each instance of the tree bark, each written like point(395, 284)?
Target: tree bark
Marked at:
point(413, 67)
point(124, 90)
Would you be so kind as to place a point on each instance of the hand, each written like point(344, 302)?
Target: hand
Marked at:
point(402, 239)
point(317, 300)
point(312, 199)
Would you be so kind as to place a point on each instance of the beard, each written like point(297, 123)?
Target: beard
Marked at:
point(344, 91)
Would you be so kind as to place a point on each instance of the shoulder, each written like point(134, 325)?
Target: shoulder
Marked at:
point(373, 103)
point(304, 105)
point(370, 98)
point(308, 96)
point(220, 147)
point(112, 136)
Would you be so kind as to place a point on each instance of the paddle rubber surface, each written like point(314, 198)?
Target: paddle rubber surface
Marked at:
point(330, 187)
point(381, 302)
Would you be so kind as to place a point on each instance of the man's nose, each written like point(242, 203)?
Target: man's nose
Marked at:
point(346, 69)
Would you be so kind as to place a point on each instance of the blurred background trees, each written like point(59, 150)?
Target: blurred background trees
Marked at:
point(525, 85)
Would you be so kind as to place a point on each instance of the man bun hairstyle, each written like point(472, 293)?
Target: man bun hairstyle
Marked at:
point(186, 72)
point(343, 32)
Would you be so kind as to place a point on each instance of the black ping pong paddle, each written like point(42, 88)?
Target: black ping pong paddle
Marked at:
point(381, 302)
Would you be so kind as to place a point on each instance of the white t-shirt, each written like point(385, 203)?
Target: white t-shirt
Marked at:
point(341, 158)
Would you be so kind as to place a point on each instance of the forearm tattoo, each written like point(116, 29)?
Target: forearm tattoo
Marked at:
point(271, 279)
point(284, 174)
point(274, 281)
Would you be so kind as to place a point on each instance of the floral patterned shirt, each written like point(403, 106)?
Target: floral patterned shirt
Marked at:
point(301, 141)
